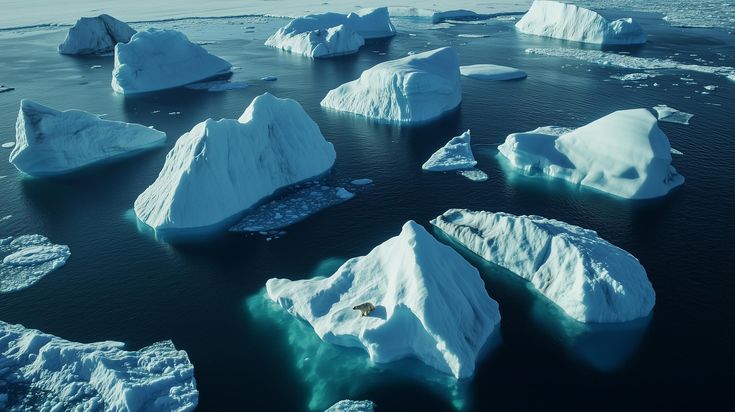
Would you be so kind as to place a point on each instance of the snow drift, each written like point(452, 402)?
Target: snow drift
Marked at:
point(95, 35)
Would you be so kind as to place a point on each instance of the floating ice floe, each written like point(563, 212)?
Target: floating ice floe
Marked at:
point(624, 154)
point(455, 155)
point(51, 142)
point(8, 145)
point(589, 278)
point(162, 59)
point(4, 88)
point(6, 217)
point(221, 168)
point(332, 34)
point(95, 35)
point(269, 78)
point(411, 89)
point(352, 406)
point(491, 72)
point(427, 302)
point(634, 76)
point(671, 115)
point(42, 372)
point(570, 22)
point(27, 259)
point(710, 87)
point(217, 85)
point(476, 175)
point(676, 152)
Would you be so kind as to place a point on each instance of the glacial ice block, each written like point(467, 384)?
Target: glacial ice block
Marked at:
point(589, 278)
point(95, 35)
point(162, 59)
point(624, 154)
point(50, 142)
point(429, 303)
point(415, 88)
point(223, 167)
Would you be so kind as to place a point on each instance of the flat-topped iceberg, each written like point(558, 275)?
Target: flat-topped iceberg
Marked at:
point(162, 59)
point(42, 372)
point(420, 299)
point(411, 89)
point(624, 154)
point(223, 167)
point(50, 141)
point(28, 258)
point(491, 72)
point(95, 35)
point(571, 22)
point(589, 278)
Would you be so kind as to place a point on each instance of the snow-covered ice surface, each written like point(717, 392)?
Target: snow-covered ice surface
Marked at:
point(217, 85)
point(429, 303)
point(28, 258)
point(162, 59)
point(671, 115)
point(51, 142)
point(589, 278)
point(491, 72)
point(411, 89)
point(624, 154)
point(455, 155)
point(347, 405)
point(43, 372)
point(221, 168)
point(95, 35)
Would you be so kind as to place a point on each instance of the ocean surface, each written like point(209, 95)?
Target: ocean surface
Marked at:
point(205, 294)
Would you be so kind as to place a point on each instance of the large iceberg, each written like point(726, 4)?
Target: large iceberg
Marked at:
point(427, 302)
point(412, 89)
point(95, 35)
point(589, 278)
point(50, 142)
point(624, 154)
point(28, 258)
point(332, 34)
point(42, 372)
point(571, 22)
point(162, 59)
point(223, 167)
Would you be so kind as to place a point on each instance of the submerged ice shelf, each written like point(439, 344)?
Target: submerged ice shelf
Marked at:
point(27, 259)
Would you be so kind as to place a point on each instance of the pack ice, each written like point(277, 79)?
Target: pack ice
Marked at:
point(624, 154)
point(95, 35)
point(411, 89)
point(429, 303)
point(570, 22)
point(223, 167)
point(162, 59)
point(332, 34)
point(50, 141)
point(42, 372)
point(589, 278)
point(27, 259)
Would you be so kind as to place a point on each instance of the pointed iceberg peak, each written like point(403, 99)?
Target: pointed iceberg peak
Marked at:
point(95, 35)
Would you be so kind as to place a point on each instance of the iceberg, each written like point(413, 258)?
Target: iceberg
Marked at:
point(352, 406)
point(570, 22)
point(590, 279)
point(455, 155)
point(222, 167)
point(624, 154)
point(4, 88)
point(27, 259)
point(50, 141)
point(43, 372)
point(424, 301)
point(162, 59)
point(671, 115)
point(491, 72)
point(95, 35)
point(415, 88)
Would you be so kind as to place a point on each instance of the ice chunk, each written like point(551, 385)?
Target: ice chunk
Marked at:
point(676, 152)
point(51, 142)
point(162, 59)
point(455, 155)
point(570, 22)
point(428, 301)
point(221, 168)
point(217, 85)
point(491, 72)
point(411, 89)
point(589, 278)
point(671, 115)
point(634, 76)
point(269, 78)
point(624, 154)
point(4, 88)
point(42, 372)
point(476, 175)
point(7, 145)
point(473, 36)
point(352, 406)
point(27, 259)
point(710, 87)
point(95, 35)
point(361, 182)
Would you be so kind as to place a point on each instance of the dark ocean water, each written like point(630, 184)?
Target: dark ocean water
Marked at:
point(123, 284)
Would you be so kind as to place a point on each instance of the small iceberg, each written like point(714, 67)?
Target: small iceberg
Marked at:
point(8, 145)
point(416, 298)
point(589, 278)
point(27, 259)
point(634, 76)
point(95, 35)
point(42, 372)
point(491, 72)
point(671, 115)
point(352, 406)
point(162, 59)
point(455, 155)
point(570, 22)
point(50, 142)
point(624, 154)
point(415, 88)
point(4, 88)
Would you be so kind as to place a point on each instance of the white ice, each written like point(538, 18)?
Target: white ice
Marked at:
point(634, 76)
point(95, 35)
point(671, 115)
point(27, 259)
point(455, 155)
point(8, 145)
point(491, 72)
point(476, 175)
point(352, 406)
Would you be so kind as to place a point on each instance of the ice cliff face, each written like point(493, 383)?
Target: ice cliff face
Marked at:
point(95, 35)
